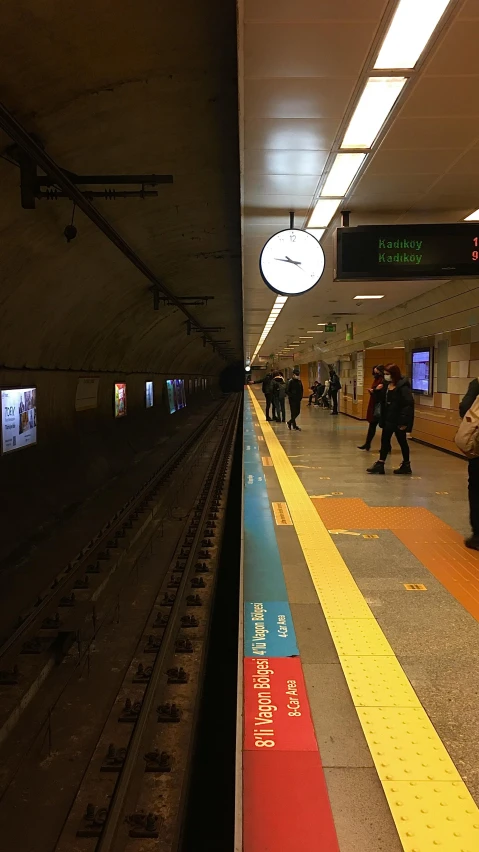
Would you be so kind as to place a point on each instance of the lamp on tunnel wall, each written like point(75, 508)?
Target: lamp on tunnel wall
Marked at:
point(70, 231)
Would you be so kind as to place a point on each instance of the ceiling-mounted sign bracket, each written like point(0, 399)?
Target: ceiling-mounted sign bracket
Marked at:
point(34, 186)
point(291, 219)
point(187, 301)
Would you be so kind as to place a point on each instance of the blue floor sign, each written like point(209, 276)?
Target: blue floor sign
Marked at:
point(268, 630)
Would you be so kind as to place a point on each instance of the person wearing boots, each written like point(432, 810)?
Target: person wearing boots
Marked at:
point(294, 392)
point(397, 419)
point(334, 388)
point(473, 465)
point(267, 388)
point(373, 415)
point(279, 397)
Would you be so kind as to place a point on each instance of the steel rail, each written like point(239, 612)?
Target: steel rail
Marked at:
point(109, 836)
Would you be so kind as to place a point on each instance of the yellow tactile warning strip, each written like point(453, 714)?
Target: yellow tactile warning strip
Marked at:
point(429, 811)
point(281, 515)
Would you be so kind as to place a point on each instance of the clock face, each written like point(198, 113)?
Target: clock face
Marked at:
point(291, 262)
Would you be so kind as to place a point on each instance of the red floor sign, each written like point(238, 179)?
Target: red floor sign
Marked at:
point(277, 715)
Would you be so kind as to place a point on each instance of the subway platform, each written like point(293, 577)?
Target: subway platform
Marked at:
point(359, 698)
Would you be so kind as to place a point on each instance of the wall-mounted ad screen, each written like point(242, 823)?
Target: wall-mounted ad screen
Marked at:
point(176, 394)
point(120, 400)
point(422, 371)
point(149, 394)
point(19, 418)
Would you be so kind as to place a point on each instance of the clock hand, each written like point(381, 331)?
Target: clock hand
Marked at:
point(296, 263)
point(288, 260)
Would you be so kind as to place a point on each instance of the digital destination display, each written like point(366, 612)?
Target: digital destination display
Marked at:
point(395, 252)
point(422, 371)
point(19, 418)
point(175, 389)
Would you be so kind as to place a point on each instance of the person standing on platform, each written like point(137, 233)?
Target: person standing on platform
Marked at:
point(279, 397)
point(267, 388)
point(294, 391)
point(473, 464)
point(334, 388)
point(373, 415)
point(397, 418)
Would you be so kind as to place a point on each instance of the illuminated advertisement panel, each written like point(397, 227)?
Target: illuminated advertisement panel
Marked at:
point(149, 394)
point(19, 418)
point(120, 400)
point(176, 394)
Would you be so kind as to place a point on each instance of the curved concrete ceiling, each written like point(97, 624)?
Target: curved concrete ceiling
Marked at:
point(129, 87)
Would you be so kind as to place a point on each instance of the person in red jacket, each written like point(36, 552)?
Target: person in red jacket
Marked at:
point(374, 406)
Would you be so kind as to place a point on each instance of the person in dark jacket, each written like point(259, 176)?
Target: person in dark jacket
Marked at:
point(294, 392)
point(312, 395)
point(334, 388)
point(473, 490)
point(373, 415)
point(397, 418)
point(267, 388)
point(279, 397)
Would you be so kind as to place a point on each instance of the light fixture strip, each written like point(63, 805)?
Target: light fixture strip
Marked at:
point(405, 42)
point(273, 316)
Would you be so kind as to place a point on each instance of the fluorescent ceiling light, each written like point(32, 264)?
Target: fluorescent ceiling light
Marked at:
point(317, 332)
point(342, 174)
point(369, 297)
point(273, 316)
point(316, 232)
point(473, 217)
point(321, 323)
point(376, 102)
point(323, 212)
point(305, 338)
point(410, 30)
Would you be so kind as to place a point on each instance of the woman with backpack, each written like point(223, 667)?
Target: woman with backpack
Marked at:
point(397, 418)
point(373, 415)
point(468, 446)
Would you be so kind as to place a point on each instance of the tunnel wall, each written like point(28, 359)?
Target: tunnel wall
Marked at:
point(79, 451)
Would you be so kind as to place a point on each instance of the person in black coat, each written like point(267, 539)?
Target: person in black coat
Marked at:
point(397, 418)
point(294, 392)
point(464, 406)
point(279, 397)
point(334, 388)
point(267, 388)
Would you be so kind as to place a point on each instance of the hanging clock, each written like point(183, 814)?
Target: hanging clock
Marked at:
point(291, 262)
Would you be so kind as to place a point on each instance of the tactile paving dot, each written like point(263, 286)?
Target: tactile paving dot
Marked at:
point(359, 636)
point(378, 682)
point(432, 815)
point(341, 602)
point(405, 746)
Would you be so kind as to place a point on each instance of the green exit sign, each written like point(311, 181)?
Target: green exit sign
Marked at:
point(330, 327)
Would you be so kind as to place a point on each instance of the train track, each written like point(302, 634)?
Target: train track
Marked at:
point(68, 611)
point(134, 788)
point(151, 718)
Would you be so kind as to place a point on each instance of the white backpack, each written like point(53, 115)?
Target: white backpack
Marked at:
point(467, 436)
